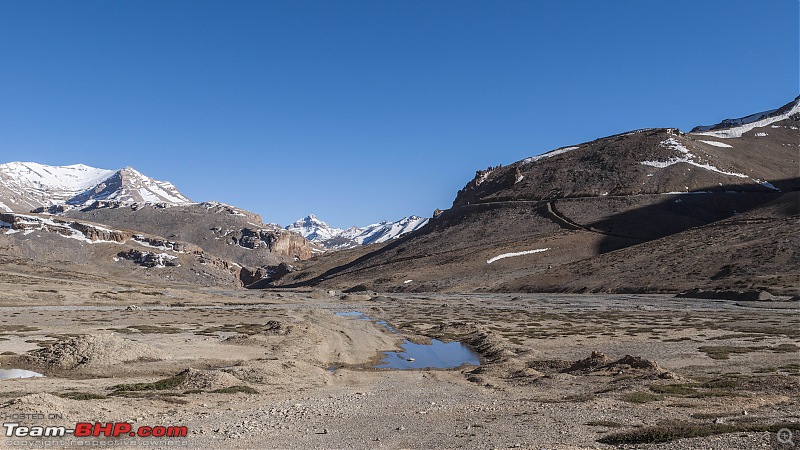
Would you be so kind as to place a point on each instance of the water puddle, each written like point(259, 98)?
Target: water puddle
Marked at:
point(436, 355)
point(8, 374)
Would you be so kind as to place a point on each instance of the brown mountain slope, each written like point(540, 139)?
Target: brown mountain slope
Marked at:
point(222, 230)
point(628, 208)
point(37, 243)
point(752, 251)
point(628, 164)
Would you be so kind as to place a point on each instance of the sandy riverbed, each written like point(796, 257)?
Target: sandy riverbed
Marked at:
point(280, 369)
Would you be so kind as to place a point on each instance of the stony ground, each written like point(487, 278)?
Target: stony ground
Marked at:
point(280, 369)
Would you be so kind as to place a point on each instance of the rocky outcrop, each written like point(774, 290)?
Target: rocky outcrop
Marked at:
point(179, 247)
point(147, 259)
point(278, 241)
point(256, 278)
point(96, 233)
point(289, 244)
point(68, 228)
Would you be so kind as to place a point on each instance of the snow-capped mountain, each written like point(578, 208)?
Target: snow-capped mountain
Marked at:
point(331, 238)
point(380, 232)
point(25, 186)
point(314, 229)
point(731, 128)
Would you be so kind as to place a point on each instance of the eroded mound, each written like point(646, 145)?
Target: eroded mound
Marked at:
point(598, 363)
point(40, 403)
point(590, 364)
point(93, 350)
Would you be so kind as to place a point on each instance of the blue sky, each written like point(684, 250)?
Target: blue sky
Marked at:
point(359, 111)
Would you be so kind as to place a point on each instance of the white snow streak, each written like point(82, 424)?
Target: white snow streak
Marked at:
point(738, 131)
point(556, 152)
point(717, 144)
point(688, 159)
point(511, 255)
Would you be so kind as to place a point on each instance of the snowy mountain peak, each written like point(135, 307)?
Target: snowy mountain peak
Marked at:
point(331, 238)
point(26, 185)
point(314, 229)
point(128, 185)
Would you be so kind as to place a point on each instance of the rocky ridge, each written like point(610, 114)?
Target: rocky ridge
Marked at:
point(25, 186)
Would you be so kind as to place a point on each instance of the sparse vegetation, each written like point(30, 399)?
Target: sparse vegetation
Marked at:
point(235, 389)
point(81, 396)
point(160, 385)
point(671, 431)
point(642, 397)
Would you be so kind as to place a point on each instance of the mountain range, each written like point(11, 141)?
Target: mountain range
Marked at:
point(651, 210)
point(25, 186)
point(329, 238)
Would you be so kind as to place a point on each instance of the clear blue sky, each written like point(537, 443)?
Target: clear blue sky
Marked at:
point(365, 110)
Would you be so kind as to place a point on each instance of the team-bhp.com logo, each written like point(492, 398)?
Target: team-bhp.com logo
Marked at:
point(96, 429)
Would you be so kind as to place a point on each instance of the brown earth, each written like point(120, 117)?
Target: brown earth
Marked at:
point(279, 369)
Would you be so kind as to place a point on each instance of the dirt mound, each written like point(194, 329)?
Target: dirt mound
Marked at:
point(597, 363)
point(634, 362)
point(40, 403)
point(549, 365)
point(207, 379)
point(93, 350)
point(590, 364)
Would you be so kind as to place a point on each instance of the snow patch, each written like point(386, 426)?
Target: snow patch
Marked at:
point(687, 159)
point(761, 134)
point(767, 184)
point(484, 176)
point(746, 124)
point(556, 152)
point(511, 255)
point(717, 144)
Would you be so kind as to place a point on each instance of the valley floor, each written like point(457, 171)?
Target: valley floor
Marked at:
point(280, 369)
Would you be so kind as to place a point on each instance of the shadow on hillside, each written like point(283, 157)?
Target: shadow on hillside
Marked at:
point(680, 212)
